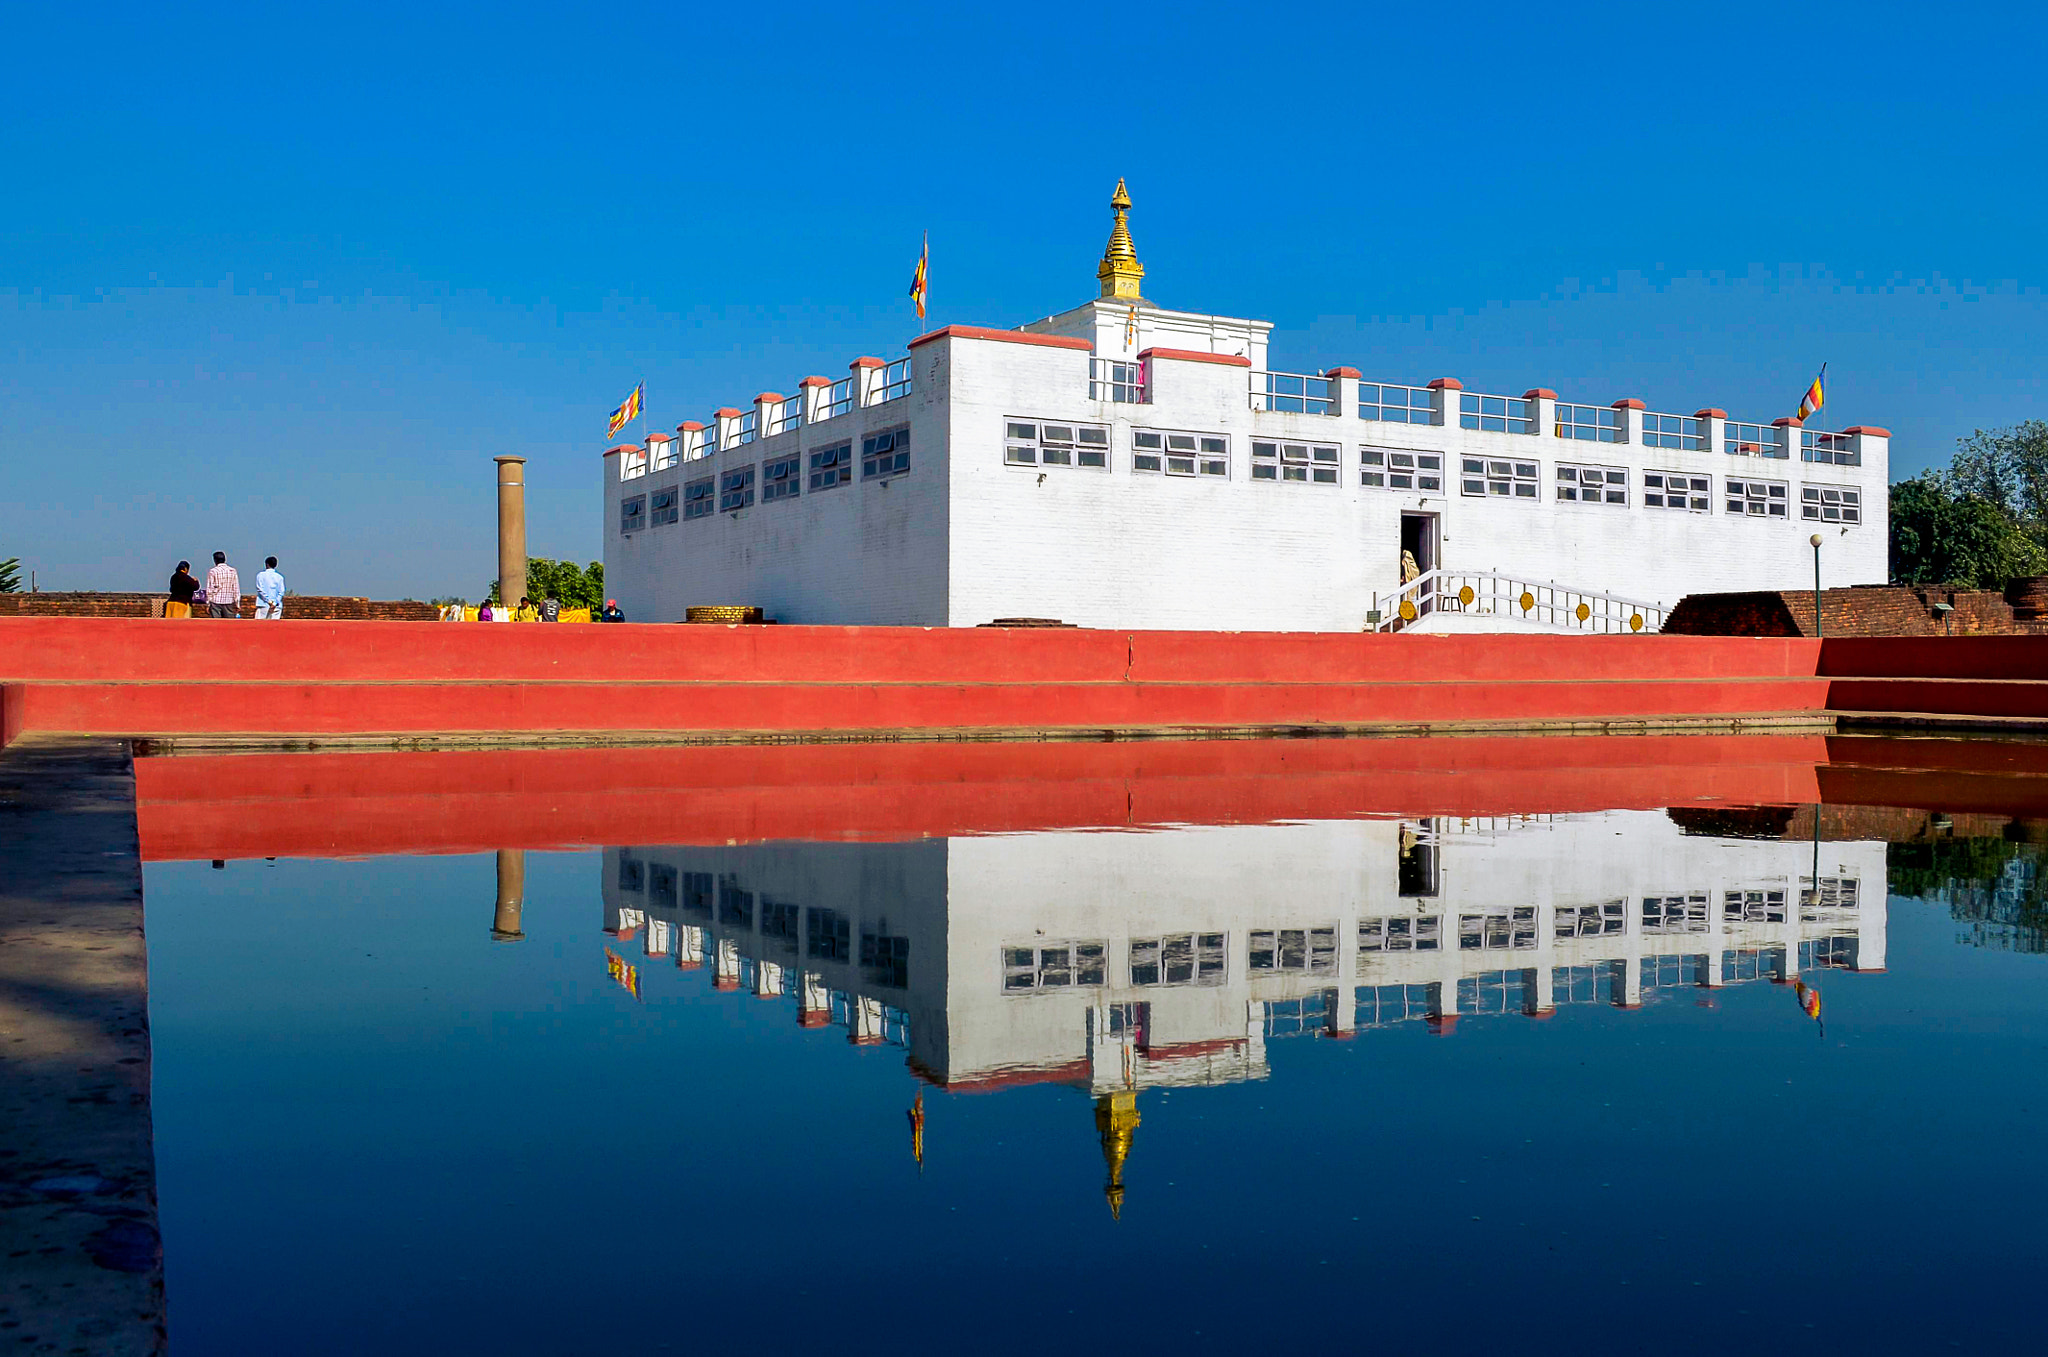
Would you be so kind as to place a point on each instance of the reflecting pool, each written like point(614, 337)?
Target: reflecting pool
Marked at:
point(1678, 1080)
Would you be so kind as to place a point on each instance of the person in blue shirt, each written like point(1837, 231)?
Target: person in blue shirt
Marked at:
point(612, 611)
point(269, 592)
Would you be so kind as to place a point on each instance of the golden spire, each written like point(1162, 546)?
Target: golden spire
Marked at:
point(917, 1130)
point(1120, 271)
point(1116, 1118)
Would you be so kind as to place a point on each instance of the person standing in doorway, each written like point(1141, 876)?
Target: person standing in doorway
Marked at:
point(223, 588)
point(184, 584)
point(269, 592)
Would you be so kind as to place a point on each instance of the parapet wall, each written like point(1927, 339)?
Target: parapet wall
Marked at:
point(304, 607)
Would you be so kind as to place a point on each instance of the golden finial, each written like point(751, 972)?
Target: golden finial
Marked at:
point(1120, 271)
point(917, 1130)
point(1116, 1118)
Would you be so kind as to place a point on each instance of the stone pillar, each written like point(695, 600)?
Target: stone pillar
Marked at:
point(1543, 409)
point(1713, 428)
point(867, 379)
point(1629, 415)
point(1447, 389)
point(1344, 390)
point(511, 895)
point(511, 532)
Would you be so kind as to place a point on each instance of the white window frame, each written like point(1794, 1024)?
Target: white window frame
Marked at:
point(1035, 444)
point(1570, 485)
point(1740, 500)
point(1405, 470)
point(1509, 478)
point(1180, 452)
point(1848, 503)
point(1055, 959)
point(879, 463)
point(1206, 956)
point(1698, 492)
point(1280, 461)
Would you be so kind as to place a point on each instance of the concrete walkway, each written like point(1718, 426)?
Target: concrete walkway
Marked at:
point(81, 1263)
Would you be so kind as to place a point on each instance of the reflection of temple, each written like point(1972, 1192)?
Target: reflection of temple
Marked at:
point(1115, 961)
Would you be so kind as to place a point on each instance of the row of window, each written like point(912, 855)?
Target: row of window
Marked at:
point(882, 456)
point(1029, 443)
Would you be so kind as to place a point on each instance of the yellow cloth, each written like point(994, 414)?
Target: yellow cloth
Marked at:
point(174, 609)
point(573, 615)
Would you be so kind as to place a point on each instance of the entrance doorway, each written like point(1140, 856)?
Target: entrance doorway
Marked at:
point(1418, 540)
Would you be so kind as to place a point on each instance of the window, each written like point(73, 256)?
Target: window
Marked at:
point(779, 921)
point(1588, 423)
point(1032, 444)
point(661, 506)
point(1831, 503)
point(700, 893)
point(633, 514)
point(1591, 921)
point(735, 906)
point(885, 959)
point(1592, 484)
point(1400, 934)
point(1180, 454)
point(1764, 906)
point(1315, 463)
point(831, 467)
point(1181, 959)
point(1058, 965)
point(1670, 490)
point(1758, 499)
point(1675, 913)
point(735, 489)
point(632, 874)
point(1497, 480)
point(1400, 469)
point(1684, 432)
point(1827, 894)
point(1313, 950)
point(697, 498)
point(1513, 928)
point(781, 478)
point(885, 454)
point(826, 935)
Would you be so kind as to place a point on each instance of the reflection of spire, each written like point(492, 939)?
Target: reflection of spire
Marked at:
point(1120, 272)
point(511, 895)
point(1116, 1117)
point(917, 1130)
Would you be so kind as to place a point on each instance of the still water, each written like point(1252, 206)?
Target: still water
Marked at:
point(1666, 1081)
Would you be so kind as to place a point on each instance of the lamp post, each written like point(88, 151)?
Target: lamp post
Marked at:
point(1817, 630)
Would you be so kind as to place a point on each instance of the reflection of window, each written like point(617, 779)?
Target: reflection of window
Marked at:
point(1056, 965)
point(1416, 872)
point(735, 906)
point(885, 958)
point(1831, 892)
point(1675, 913)
point(700, 893)
point(632, 874)
point(779, 921)
point(1400, 934)
point(1755, 907)
point(661, 886)
point(1311, 950)
point(1130, 1020)
point(1513, 928)
point(1591, 921)
point(827, 935)
point(1178, 959)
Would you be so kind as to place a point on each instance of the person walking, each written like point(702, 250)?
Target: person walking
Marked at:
point(550, 609)
point(184, 584)
point(269, 592)
point(223, 588)
point(613, 612)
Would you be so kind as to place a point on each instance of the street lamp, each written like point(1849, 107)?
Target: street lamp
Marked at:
point(1817, 631)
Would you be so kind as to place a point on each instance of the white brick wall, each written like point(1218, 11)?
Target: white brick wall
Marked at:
point(964, 539)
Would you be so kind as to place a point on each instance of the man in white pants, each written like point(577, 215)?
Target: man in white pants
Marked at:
point(269, 592)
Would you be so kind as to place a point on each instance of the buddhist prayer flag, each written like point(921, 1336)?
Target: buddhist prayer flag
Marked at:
point(1815, 396)
point(1131, 328)
point(917, 280)
point(626, 413)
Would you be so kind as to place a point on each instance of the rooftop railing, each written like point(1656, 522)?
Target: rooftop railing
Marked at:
point(1293, 393)
point(1752, 440)
point(1119, 381)
point(1496, 414)
point(788, 416)
point(1837, 448)
point(748, 429)
point(665, 455)
point(1588, 423)
point(836, 400)
point(1396, 404)
point(894, 383)
point(1687, 433)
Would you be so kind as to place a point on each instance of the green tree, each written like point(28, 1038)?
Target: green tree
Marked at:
point(571, 585)
point(10, 575)
point(2008, 467)
point(1943, 536)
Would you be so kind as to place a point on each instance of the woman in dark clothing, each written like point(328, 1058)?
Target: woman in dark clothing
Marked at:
point(183, 587)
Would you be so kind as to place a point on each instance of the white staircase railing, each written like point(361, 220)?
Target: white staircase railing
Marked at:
point(1477, 593)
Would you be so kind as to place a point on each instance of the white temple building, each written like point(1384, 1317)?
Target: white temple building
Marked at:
point(1125, 465)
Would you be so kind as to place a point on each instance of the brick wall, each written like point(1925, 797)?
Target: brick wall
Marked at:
point(308, 607)
point(1866, 610)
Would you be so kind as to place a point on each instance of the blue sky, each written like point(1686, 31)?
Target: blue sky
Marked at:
point(283, 279)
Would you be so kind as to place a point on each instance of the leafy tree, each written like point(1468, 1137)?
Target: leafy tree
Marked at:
point(10, 575)
point(571, 585)
point(2008, 467)
point(1943, 536)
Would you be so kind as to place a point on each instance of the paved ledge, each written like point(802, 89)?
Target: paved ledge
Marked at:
point(81, 1263)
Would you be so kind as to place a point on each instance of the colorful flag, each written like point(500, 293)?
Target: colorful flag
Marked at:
point(626, 413)
point(918, 285)
point(1131, 329)
point(1815, 396)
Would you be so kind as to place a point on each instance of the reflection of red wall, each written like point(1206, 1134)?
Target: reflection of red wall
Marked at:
point(296, 805)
